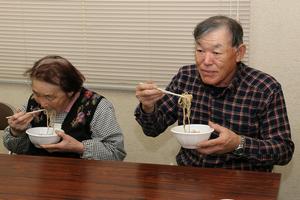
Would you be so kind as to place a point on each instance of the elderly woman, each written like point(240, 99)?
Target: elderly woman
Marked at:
point(90, 128)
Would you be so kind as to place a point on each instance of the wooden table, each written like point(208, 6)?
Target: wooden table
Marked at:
point(33, 177)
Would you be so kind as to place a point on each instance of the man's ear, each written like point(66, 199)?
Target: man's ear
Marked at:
point(241, 50)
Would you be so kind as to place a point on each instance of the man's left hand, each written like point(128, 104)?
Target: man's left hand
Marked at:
point(226, 142)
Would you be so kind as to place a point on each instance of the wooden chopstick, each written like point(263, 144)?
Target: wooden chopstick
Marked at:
point(168, 92)
point(32, 112)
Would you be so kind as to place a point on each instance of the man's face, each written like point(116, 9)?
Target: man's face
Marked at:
point(216, 58)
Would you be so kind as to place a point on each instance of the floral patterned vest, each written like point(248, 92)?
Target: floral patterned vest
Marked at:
point(76, 123)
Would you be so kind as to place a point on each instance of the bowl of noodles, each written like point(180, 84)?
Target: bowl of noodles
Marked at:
point(42, 135)
point(190, 135)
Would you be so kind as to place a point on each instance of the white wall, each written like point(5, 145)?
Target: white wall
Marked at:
point(274, 48)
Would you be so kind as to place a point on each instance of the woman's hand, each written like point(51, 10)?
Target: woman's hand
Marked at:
point(67, 144)
point(19, 122)
point(147, 93)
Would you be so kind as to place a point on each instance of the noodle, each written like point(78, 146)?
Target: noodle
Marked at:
point(185, 102)
point(51, 115)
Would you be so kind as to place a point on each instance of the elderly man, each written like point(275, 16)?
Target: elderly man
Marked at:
point(245, 106)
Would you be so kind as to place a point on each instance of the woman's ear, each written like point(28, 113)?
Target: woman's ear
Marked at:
point(241, 50)
point(70, 95)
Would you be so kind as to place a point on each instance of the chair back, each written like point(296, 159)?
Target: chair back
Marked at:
point(5, 110)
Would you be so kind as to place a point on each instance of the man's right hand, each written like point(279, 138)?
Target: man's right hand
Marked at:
point(147, 93)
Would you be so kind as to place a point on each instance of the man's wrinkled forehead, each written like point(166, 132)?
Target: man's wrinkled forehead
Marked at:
point(217, 40)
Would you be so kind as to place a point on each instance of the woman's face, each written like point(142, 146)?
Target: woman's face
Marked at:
point(50, 96)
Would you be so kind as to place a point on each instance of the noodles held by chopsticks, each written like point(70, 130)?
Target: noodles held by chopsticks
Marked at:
point(185, 102)
point(51, 115)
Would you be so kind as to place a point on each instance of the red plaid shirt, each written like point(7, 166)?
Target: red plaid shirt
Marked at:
point(252, 105)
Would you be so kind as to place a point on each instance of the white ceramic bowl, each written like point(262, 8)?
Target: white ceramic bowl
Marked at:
point(194, 134)
point(42, 135)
